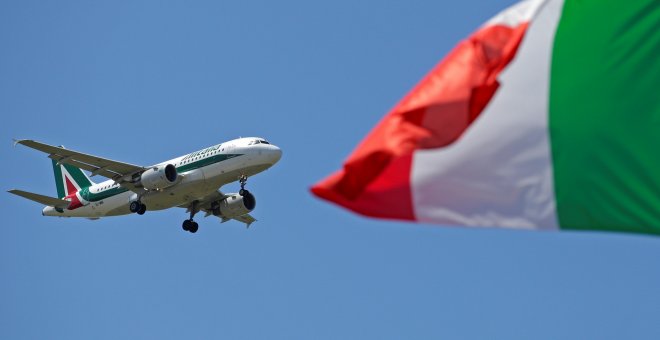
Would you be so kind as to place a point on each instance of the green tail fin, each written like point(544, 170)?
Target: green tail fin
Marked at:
point(69, 179)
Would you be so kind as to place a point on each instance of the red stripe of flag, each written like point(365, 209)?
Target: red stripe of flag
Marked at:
point(375, 179)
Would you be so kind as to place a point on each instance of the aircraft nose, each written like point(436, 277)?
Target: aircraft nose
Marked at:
point(275, 154)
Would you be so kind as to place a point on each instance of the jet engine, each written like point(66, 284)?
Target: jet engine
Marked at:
point(234, 205)
point(159, 177)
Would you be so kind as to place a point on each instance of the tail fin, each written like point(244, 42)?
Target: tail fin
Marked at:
point(69, 179)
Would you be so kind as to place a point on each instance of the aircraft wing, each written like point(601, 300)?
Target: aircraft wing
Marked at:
point(115, 170)
point(205, 205)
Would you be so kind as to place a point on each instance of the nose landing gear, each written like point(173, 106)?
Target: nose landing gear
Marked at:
point(243, 180)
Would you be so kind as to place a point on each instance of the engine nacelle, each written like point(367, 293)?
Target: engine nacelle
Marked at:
point(159, 177)
point(234, 205)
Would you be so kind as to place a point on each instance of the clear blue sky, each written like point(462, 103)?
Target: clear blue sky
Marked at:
point(144, 82)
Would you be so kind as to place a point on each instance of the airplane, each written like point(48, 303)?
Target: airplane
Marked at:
point(191, 181)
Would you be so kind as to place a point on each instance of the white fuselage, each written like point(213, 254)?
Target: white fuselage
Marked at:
point(200, 173)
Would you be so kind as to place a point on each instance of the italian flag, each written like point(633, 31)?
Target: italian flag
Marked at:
point(546, 117)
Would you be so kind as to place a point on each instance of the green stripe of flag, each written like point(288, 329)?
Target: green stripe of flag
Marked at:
point(605, 115)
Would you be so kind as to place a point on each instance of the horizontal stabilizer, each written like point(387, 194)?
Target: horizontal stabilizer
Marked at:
point(46, 200)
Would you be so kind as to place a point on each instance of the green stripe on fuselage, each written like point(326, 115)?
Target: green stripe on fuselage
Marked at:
point(94, 197)
point(205, 162)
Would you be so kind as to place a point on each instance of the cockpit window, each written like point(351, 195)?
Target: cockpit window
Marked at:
point(263, 141)
point(258, 141)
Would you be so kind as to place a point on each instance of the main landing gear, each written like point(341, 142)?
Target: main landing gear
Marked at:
point(192, 226)
point(189, 224)
point(137, 207)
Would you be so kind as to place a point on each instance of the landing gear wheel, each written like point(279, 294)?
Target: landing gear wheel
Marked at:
point(186, 225)
point(135, 206)
point(190, 225)
point(143, 209)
